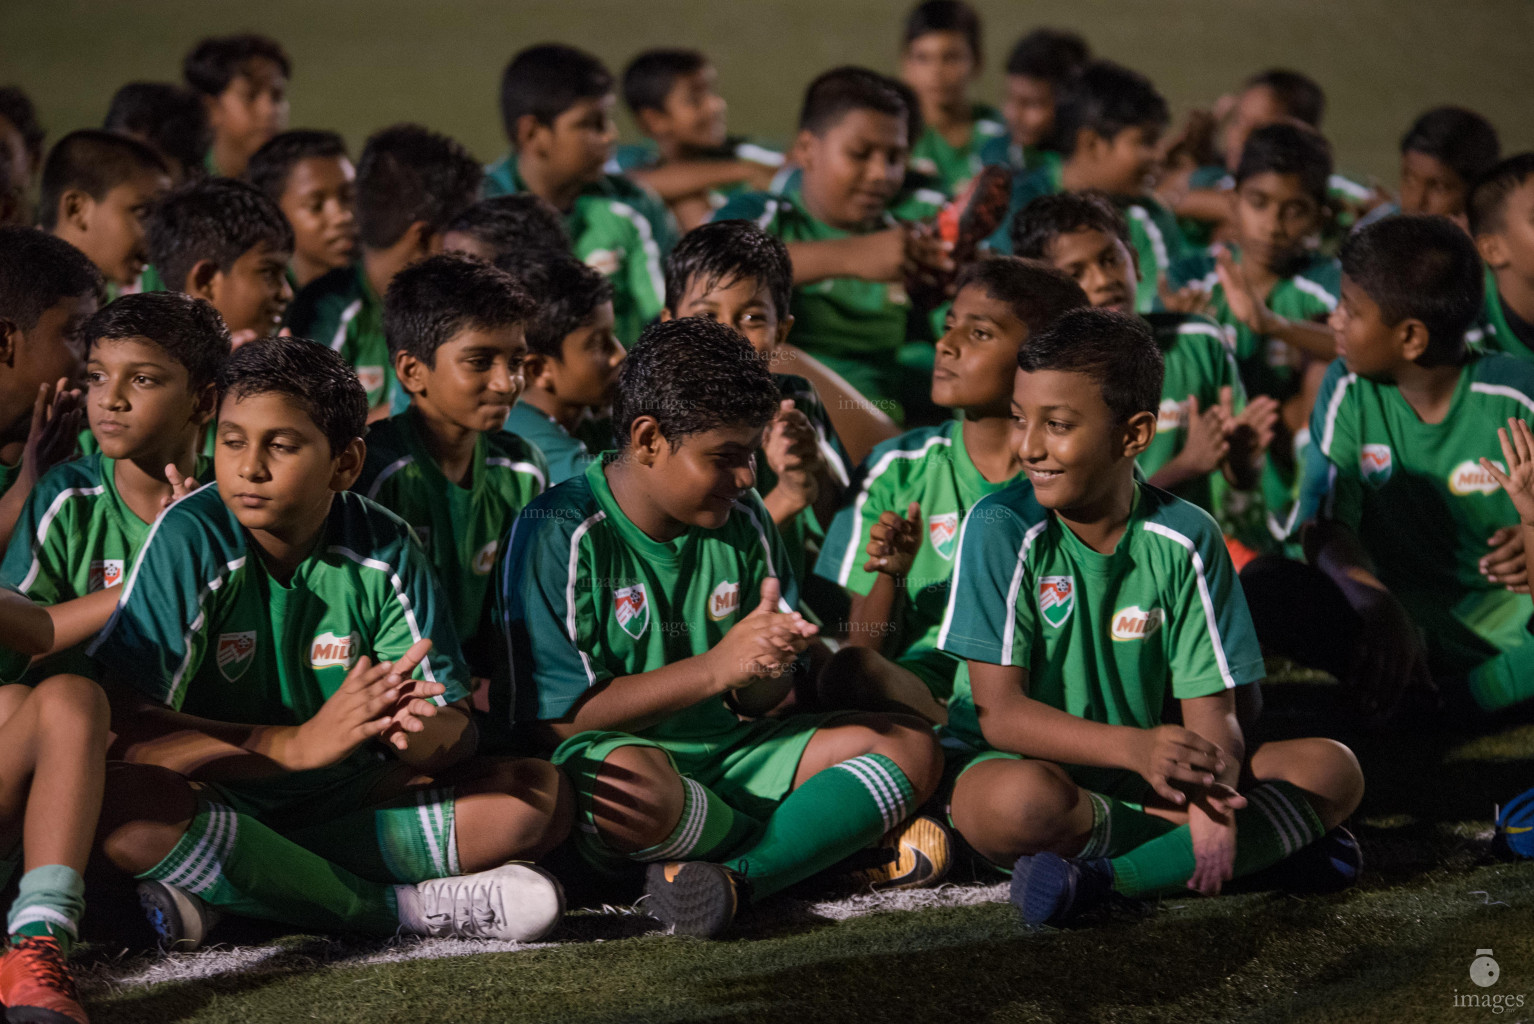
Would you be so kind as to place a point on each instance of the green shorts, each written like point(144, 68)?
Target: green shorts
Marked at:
point(935, 669)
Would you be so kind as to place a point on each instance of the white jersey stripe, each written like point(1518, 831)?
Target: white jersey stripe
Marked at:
point(1009, 632)
point(54, 508)
point(1332, 408)
point(1203, 596)
point(388, 471)
point(1503, 391)
point(404, 601)
point(850, 557)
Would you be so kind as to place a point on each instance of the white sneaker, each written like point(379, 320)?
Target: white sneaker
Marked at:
point(515, 902)
point(181, 921)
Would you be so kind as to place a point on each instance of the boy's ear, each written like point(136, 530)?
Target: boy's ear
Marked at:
point(348, 465)
point(1492, 250)
point(537, 372)
point(1412, 334)
point(418, 240)
point(410, 372)
point(1090, 145)
point(10, 340)
point(1139, 432)
point(804, 149)
point(207, 405)
point(666, 314)
point(530, 132)
point(645, 440)
point(202, 280)
point(651, 122)
point(75, 209)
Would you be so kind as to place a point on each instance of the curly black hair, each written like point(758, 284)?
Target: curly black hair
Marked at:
point(189, 330)
point(431, 301)
point(315, 377)
point(1115, 349)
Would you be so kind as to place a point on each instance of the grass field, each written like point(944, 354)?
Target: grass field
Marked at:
point(1395, 949)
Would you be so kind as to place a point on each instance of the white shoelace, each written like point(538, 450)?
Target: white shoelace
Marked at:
point(462, 909)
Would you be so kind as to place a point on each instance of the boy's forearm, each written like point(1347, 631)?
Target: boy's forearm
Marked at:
point(1012, 721)
point(1214, 718)
point(77, 620)
point(1313, 339)
point(870, 618)
point(201, 748)
point(1336, 551)
point(25, 627)
point(632, 703)
point(833, 257)
point(1173, 474)
point(449, 738)
point(783, 505)
point(681, 178)
point(11, 504)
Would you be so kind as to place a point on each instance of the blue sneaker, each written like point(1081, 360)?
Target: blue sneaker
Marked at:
point(1054, 890)
point(1515, 826)
point(1330, 864)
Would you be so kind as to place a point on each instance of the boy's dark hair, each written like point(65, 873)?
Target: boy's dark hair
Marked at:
point(1288, 148)
point(433, 300)
point(1115, 349)
point(1050, 55)
point(1461, 139)
point(1037, 292)
point(1300, 96)
point(1047, 217)
point(16, 107)
point(1107, 98)
point(95, 162)
point(648, 79)
point(836, 93)
point(270, 165)
point(564, 291)
point(725, 251)
point(547, 80)
point(406, 174)
point(189, 330)
point(1425, 268)
point(38, 270)
point(311, 374)
point(692, 375)
point(521, 222)
point(944, 16)
point(218, 219)
point(1488, 199)
point(169, 118)
point(215, 62)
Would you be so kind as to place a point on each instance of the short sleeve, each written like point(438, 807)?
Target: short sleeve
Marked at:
point(415, 607)
point(1211, 643)
point(991, 615)
point(1331, 481)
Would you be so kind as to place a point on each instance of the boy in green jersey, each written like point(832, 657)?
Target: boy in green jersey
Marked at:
point(96, 193)
point(1082, 601)
point(275, 636)
point(411, 183)
point(650, 617)
point(224, 241)
point(1501, 212)
point(892, 549)
point(149, 394)
point(1443, 154)
point(557, 109)
point(506, 226)
point(573, 355)
point(691, 162)
point(851, 257)
point(1038, 68)
point(243, 82)
point(309, 175)
point(444, 465)
point(1399, 512)
point(940, 56)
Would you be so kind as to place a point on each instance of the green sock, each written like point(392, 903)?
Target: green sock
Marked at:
point(235, 863)
point(1118, 827)
point(1276, 822)
point(414, 837)
point(837, 812)
point(50, 902)
point(710, 829)
point(1505, 680)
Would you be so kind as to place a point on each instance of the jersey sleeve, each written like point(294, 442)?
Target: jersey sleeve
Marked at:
point(37, 561)
point(1211, 642)
point(1331, 485)
point(991, 615)
point(414, 607)
point(761, 207)
point(775, 554)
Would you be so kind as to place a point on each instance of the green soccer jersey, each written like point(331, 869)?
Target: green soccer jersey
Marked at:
point(1003, 152)
point(585, 596)
point(954, 165)
point(1103, 637)
point(1267, 364)
point(931, 467)
point(206, 630)
point(341, 310)
point(1494, 330)
point(621, 229)
point(565, 454)
point(1417, 498)
point(461, 526)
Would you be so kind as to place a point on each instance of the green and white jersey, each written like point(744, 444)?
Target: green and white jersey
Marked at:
point(1103, 637)
point(565, 454)
point(585, 596)
point(1493, 331)
point(1267, 364)
point(206, 630)
point(930, 466)
point(953, 165)
point(341, 310)
point(1417, 498)
point(618, 227)
point(461, 526)
point(1003, 152)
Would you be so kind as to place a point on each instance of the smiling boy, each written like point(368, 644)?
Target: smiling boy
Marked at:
point(308, 174)
point(96, 194)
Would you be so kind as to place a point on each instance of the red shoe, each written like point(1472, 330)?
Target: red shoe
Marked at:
point(35, 984)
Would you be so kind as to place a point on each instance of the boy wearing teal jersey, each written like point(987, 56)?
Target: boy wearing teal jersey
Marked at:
point(149, 393)
point(97, 189)
point(243, 83)
point(1399, 512)
point(1501, 210)
point(1081, 602)
point(573, 356)
point(1108, 119)
point(690, 161)
point(445, 466)
point(269, 632)
point(411, 183)
point(557, 109)
point(1038, 69)
point(940, 56)
point(892, 549)
point(850, 255)
point(224, 241)
point(648, 610)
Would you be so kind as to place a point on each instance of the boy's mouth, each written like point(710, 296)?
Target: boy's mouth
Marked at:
point(111, 428)
point(1043, 477)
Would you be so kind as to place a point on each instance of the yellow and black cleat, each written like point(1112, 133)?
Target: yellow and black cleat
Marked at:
point(914, 854)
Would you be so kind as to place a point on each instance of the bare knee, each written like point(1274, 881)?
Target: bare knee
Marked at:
point(636, 798)
point(1006, 809)
point(74, 702)
point(144, 812)
point(1326, 770)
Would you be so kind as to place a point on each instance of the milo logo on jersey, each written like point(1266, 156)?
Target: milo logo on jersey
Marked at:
point(725, 600)
point(1471, 478)
point(1375, 463)
point(632, 609)
point(331, 651)
point(234, 653)
point(104, 573)
point(1135, 623)
point(1057, 598)
point(1170, 415)
point(943, 530)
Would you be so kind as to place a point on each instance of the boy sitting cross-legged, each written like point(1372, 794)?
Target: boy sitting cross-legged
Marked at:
point(650, 617)
point(1081, 601)
point(444, 465)
point(284, 645)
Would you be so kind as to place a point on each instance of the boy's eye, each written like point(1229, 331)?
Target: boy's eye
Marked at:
point(286, 449)
point(232, 443)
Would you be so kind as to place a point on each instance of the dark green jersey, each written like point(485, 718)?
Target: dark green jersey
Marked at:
point(1494, 331)
point(341, 310)
point(566, 454)
point(1003, 152)
point(952, 165)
